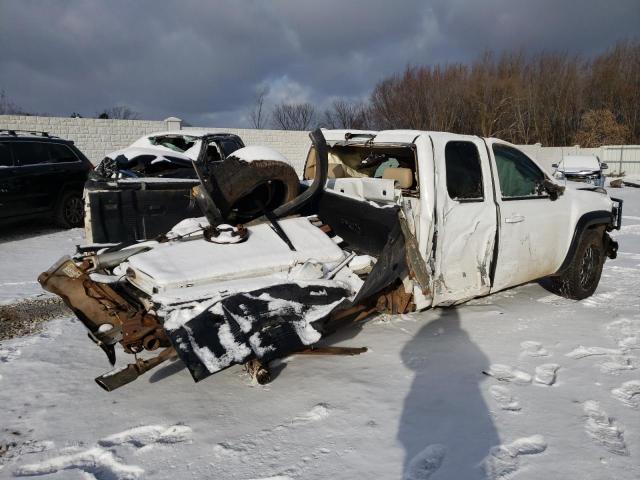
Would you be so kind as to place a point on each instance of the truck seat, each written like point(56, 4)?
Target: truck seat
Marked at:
point(403, 176)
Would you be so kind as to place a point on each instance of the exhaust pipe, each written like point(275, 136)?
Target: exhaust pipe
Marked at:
point(111, 259)
point(122, 376)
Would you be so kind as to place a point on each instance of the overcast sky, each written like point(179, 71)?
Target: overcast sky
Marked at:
point(204, 61)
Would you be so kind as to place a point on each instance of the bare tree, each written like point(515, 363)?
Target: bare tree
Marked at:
point(7, 107)
point(294, 116)
point(523, 99)
point(120, 112)
point(614, 84)
point(345, 114)
point(600, 127)
point(257, 114)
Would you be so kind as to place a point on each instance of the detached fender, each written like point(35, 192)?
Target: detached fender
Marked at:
point(586, 222)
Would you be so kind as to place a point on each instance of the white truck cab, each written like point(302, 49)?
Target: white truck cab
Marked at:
point(486, 215)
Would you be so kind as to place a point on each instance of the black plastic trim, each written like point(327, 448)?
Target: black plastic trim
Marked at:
point(617, 212)
point(532, 197)
point(589, 219)
point(496, 244)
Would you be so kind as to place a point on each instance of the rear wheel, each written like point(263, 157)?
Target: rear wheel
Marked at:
point(581, 279)
point(70, 210)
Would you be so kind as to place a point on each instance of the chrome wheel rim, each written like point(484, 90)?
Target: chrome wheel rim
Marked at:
point(74, 210)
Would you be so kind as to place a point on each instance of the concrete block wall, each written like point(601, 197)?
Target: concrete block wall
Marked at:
point(94, 137)
point(97, 137)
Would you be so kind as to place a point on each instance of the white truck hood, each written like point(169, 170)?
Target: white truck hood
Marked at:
point(579, 163)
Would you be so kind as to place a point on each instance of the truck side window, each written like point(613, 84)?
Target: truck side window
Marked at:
point(464, 173)
point(518, 175)
point(5, 155)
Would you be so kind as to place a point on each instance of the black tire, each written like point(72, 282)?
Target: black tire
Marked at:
point(70, 210)
point(237, 182)
point(581, 279)
point(240, 187)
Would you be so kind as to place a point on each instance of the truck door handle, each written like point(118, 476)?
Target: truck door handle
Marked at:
point(514, 219)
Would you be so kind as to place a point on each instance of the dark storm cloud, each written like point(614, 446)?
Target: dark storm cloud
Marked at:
point(204, 61)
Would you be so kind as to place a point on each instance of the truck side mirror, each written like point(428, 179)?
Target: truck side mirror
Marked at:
point(554, 165)
point(604, 166)
point(553, 189)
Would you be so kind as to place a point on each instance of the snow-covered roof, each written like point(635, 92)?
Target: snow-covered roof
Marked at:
point(381, 136)
point(387, 136)
point(249, 154)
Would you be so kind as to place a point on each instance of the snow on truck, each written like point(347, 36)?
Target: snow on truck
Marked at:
point(389, 221)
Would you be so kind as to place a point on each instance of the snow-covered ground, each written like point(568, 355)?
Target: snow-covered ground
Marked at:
point(26, 249)
point(562, 398)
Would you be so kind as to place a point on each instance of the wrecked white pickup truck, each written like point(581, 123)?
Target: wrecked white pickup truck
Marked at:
point(389, 221)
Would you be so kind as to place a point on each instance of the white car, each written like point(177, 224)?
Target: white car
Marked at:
point(581, 168)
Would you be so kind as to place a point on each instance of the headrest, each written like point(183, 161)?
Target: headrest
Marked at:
point(403, 176)
point(336, 170)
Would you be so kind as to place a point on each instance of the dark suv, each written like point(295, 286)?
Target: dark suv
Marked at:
point(41, 175)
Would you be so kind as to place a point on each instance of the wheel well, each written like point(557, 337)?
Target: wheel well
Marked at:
point(66, 188)
point(588, 221)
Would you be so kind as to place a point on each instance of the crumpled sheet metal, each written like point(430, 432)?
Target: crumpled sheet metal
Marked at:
point(278, 320)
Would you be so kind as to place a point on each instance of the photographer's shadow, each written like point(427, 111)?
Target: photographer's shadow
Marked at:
point(446, 425)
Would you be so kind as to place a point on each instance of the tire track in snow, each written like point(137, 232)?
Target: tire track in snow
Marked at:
point(626, 333)
point(546, 373)
point(426, 463)
point(101, 462)
point(533, 349)
point(617, 364)
point(628, 393)
point(604, 430)
point(582, 352)
point(273, 452)
point(504, 460)
point(506, 373)
point(96, 461)
point(504, 398)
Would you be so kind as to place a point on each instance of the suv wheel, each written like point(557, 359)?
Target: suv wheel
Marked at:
point(581, 279)
point(70, 210)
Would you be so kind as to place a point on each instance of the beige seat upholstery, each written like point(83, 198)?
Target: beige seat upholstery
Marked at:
point(403, 176)
point(310, 165)
point(336, 170)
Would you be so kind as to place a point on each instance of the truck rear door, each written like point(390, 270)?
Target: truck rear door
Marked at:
point(465, 218)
